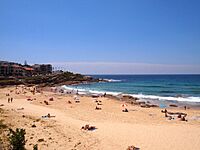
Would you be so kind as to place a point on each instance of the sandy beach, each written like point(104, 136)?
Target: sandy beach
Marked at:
point(145, 128)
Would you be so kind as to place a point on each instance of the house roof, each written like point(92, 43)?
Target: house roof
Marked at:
point(16, 66)
point(28, 69)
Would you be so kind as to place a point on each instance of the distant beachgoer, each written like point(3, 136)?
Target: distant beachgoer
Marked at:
point(166, 114)
point(98, 108)
point(125, 110)
point(8, 100)
point(183, 118)
point(48, 115)
point(179, 116)
point(170, 118)
point(11, 99)
point(104, 95)
point(185, 107)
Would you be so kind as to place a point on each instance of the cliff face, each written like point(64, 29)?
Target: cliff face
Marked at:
point(49, 80)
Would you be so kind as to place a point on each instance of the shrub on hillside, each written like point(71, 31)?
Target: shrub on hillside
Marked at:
point(35, 147)
point(17, 139)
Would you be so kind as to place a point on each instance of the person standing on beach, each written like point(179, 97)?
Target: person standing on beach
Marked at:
point(104, 95)
point(11, 99)
point(8, 100)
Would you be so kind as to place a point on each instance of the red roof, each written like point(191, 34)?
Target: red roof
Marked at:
point(16, 66)
point(28, 69)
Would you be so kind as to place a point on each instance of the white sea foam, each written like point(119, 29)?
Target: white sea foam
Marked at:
point(85, 91)
point(103, 92)
point(112, 80)
point(140, 96)
point(166, 98)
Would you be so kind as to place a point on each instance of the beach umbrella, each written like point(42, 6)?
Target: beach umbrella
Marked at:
point(76, 97)
point(124, 105)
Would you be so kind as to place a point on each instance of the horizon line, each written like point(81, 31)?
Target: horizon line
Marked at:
point(147, 74)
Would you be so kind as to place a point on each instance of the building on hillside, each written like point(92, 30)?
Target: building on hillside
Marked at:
point(4, 69)
point(28, 71)
point(10, 69)
point(17, 70)
point(43, 68)
point(14, 69)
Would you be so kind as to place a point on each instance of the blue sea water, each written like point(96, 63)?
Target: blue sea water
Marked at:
point(160, 87)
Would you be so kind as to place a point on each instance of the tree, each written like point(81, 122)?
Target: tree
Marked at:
point(35, 147)
point(25, 63)
point(17, 139)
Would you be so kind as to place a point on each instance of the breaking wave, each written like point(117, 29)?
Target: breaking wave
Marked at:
point(140, 96)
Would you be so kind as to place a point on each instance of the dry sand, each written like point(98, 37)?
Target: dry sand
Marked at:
point(145, 128)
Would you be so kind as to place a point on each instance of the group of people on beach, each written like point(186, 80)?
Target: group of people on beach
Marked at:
point(171, 115)
point(10, 100)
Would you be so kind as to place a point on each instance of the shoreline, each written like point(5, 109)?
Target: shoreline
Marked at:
point(119, 95)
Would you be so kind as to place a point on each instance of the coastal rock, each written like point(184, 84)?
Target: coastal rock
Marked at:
point(173, 105)
point(152, 105)
point(112, 97)
point(141, 103)
point(128, 97)
point(144, 105)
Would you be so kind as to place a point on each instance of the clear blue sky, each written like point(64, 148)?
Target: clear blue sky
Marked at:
point(130, 32)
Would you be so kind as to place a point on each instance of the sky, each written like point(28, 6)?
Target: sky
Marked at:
point(103, 36)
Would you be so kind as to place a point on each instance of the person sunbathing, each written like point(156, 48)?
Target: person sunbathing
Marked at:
point(46, 102)
point(20, 108)
point(183, 119)
point(164, 111)
point(98, 108)
point(88, 127)
point(132, 148)
point(125, 110)
point(48, 116)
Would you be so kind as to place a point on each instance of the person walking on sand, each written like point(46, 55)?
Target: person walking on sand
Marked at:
point(8, 100)
point(11, 99)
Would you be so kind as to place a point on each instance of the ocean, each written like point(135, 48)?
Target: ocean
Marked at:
point(185, 88)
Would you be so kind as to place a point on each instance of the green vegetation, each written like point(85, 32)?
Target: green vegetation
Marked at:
point(17, 139)
point(4, 82)
point(35, 147)
point(48, 80)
